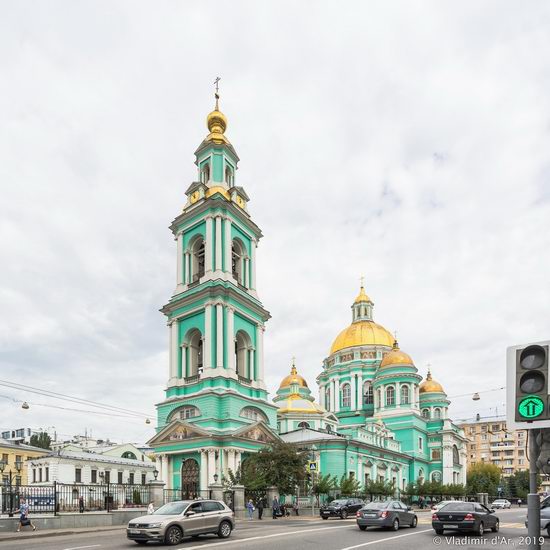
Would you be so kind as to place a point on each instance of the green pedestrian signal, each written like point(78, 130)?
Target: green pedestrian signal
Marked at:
point(531, 406)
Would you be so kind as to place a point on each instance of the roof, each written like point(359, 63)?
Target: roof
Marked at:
point(308, 434)
point(94, 457)
point(21, 446)
point(482, 420)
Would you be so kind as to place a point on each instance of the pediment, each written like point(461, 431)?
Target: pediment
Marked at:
point(178, 430)
point(257, 432)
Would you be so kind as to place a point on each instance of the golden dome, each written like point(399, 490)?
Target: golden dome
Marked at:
point(217, 124)
point(296, 404)
point(217, 189)
point(362, 333)
point(362, 297)
point(396, 357)
point(430, 385)
point(293, 378)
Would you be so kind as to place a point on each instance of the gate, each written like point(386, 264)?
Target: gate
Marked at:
point(229, 499)
point(190, 472)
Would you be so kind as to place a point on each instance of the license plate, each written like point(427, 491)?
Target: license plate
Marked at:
point(134, 531)
point(370, 515)
point(448, 526)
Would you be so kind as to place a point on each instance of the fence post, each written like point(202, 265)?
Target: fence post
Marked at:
point(108, 495)
point(55, 498)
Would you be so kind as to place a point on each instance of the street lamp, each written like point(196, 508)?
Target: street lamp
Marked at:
point(155, 473)
point(9, 482)
point(215, 478)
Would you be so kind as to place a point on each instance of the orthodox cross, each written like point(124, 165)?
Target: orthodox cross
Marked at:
point(216, 93)
point(362, 281)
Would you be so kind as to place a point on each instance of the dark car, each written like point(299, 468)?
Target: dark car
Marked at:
point(544, 516)
point(341, 508)
point(465, 516)
point(390, 513)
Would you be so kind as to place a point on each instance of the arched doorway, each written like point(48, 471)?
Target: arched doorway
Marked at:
point(190, 472)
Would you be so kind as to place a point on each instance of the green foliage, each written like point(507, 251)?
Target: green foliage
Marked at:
point(434, 488)
point(379, 488)
point(483, 478)
point(279, 465)
point(349, 485)
point(325, 484)
point(42, 440)
point(137, 496)
point(517, 485)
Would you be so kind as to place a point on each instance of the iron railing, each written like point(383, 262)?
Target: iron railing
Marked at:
point(171, 495)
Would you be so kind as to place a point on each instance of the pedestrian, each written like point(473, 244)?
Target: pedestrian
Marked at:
point(24, 515)
point(519, 502)
point(260, 508)
point(275, 507)
point(295, 507)
point(250, 508)
point(151, 508)
point(81, 504)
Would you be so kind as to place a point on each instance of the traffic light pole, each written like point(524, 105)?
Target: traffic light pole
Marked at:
point(533, 500)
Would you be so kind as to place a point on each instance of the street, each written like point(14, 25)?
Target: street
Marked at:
point(304, 533)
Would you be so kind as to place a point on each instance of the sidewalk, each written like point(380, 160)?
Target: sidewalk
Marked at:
point(28, 533)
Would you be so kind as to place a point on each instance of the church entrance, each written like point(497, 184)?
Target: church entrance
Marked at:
point(190, 479)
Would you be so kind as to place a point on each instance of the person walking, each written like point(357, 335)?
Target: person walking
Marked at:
point(295, 507)
point(275, 507)
point(151, 509)
point(260, 508)
point(250, 508)
point(24, 515)
point(81, 504)
point(519, 502)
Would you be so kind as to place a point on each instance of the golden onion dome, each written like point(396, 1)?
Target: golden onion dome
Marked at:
point(362, 333)
point(217, 124)
point(296, 404)
point(430, 385)
point(293, 378)
point(362, 296)
point(396, 357)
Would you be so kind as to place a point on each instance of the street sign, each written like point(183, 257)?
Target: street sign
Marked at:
point(313, 466)
point(528, 386)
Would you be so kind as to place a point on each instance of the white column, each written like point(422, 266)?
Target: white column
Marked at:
point(230, 340)
point(332, 399)
point(179, 268)
point(322, 396)
point(168, 469)
point(237, 459)
point(187, 268)
point(353, 392)
point(398, 394)
point(207, 338)
point(260, 352)
point(183, 360)
point(208, 248)
point(227, 245)
point(246, 278)
point(251, 366)
point(253, 246)
point(361, 401)
point(218, 243)
point(211, 465)
point(174, 349)
point(337, 395)
point(204, 470)
point(219, 335)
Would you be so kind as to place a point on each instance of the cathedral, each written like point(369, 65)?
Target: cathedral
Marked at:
point(376, 419)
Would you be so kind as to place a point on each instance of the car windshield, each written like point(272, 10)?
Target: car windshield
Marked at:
point(172, 508)
point(458, 507)
point(376, 506)
point(338, 502)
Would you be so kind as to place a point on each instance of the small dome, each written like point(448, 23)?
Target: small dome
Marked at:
point(362, 296)
point(293, 378)
point(430, 385)
point(217, 124)
point(396, 357)
point(297, 404)
point(362, 333)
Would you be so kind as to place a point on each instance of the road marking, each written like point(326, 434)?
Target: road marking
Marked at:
point(379, 541)
point(81, 547)
point(262, 537)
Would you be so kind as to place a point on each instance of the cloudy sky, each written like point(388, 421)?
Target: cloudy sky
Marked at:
point(404, 141)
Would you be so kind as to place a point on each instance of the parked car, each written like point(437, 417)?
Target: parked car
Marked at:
point(391, 513)
point(440, 505)
point(465, 516)
point(341, 508)
point(501, 503)
point(544, 516)
point(176, 520)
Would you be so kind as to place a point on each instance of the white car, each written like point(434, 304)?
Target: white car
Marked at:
point(439, 505)
point(501, 503)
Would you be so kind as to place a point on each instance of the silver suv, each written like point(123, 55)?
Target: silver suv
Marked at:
point(175, 520)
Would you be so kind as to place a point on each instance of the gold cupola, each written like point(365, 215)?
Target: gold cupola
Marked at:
point(293, 379)
point(430, 385)
point(396, 357)
point(217, 124)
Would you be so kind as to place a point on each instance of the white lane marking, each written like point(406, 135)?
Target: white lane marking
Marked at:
point(250, 539)
point(81, 547)
point(377, 541)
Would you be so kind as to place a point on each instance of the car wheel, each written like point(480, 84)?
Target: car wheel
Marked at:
point(480, 529)
point(142, 542)
point(173, 535)
point(439, 531)
point(224, 530)
point(414, 522)
point(395, 525)
point(363, 527)
point(496, 527)
point(344, 514)
point(324, 517)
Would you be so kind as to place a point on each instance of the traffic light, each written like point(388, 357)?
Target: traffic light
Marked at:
point(543, 460)
point(527, 386)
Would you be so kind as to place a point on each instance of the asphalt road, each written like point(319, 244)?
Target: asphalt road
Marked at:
point(298, 534)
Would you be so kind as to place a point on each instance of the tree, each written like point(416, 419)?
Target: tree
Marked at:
point(279, 465)
point(42, 440)
point(325, 484)
point(349, 485)
point(517, 485)
point(382, 488)
point(483, 478)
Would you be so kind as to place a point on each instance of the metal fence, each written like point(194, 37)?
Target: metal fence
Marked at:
point(171, 495)
point(60, 497)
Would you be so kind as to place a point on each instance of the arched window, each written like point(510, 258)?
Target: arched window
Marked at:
point(346, 395)
point(242, 346)
point(421, 476)
point(405, 395)
point(195, 353)
point(197, 259)
point(426, 413)
point(185, 412)
point(437, 413)
point(303, 425)
point(129, 454)
point(456, 455)
point(368, 393)
point(390, 396)
point(252, 413)
point(237, 265)
point(229, 176)
point(205, 172)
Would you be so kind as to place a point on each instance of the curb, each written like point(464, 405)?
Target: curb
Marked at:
point(43, 534)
